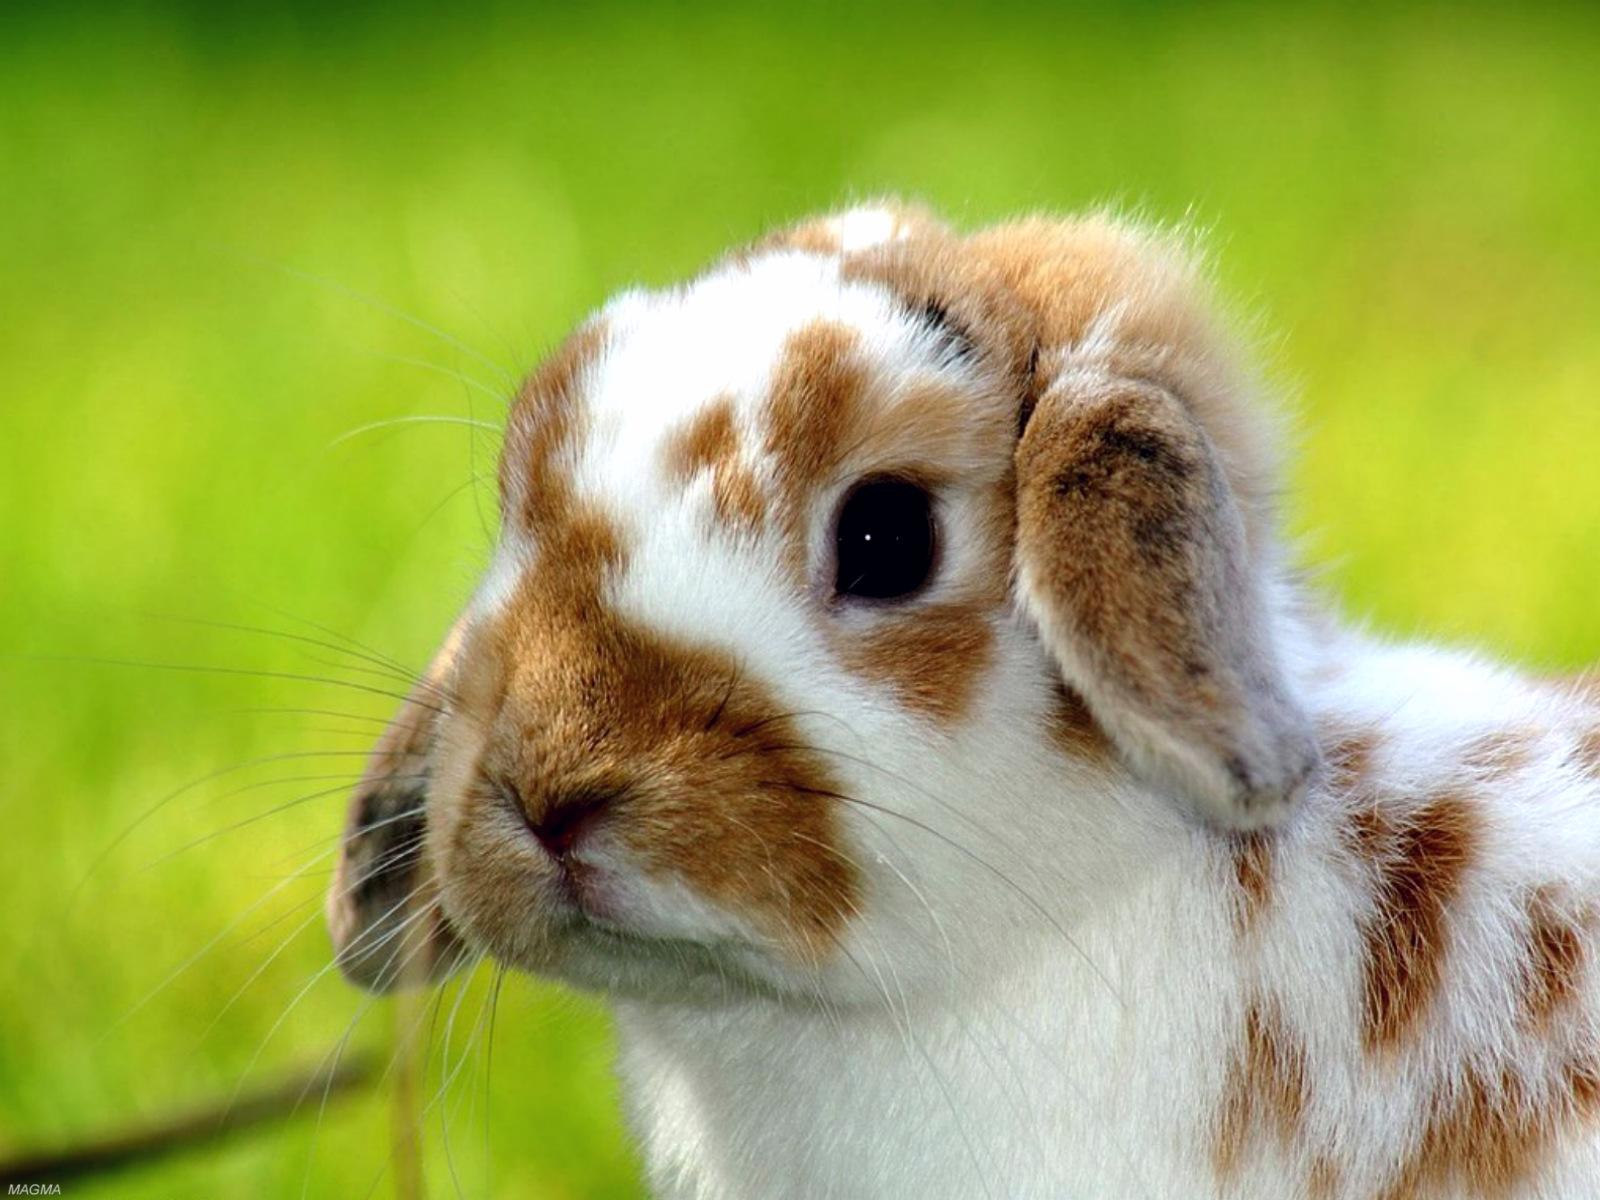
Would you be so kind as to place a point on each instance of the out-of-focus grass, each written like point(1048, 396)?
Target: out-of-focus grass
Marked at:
point(212, 225)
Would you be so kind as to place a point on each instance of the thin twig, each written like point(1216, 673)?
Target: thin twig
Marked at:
point(187, 1130)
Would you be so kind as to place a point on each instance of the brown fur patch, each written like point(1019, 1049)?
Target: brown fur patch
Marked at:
point(710, 442)
point(811, 237)
point(1420, 859)
point(1349, 755)
point(542, 425)
point(1265, 1093)
point(933, 657)
point(1252, 871)
point(1324, 1180)
point(1557, 954)
point(1586, 754)
point(812, 413)
point(1501, 751)
point(1073, 728)
point(704, 441)
point(1488, 1132)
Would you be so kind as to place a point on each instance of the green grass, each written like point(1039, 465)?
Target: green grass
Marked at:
point(192, 210)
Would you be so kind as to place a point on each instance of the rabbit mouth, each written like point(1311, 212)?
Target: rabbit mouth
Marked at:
point(573, 900)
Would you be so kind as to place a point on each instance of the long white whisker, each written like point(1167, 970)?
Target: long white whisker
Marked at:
point(394, 422)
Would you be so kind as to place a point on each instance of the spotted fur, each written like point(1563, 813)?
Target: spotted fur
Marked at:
point(1108, 864)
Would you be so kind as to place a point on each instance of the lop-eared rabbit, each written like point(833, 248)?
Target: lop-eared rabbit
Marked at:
point(891, 691)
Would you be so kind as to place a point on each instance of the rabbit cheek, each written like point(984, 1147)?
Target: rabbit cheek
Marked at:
point(748, 823)
point(931, 659)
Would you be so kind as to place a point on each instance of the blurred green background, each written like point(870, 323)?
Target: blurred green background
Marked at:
point(229, 240)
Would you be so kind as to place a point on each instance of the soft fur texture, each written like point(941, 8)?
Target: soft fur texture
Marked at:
point(1105, 866)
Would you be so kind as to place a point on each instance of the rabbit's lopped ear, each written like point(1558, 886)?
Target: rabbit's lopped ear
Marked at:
point(1145, 540)
point(383, 908)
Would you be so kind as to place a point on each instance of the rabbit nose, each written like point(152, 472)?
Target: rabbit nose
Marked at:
point(566, 819)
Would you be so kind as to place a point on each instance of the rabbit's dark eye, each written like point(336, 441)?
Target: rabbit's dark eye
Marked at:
point(885, 540)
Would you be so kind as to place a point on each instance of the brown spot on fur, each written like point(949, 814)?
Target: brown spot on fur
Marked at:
point(706, 440)
point(1266, 1090)
point(1252, 870)
point(812, 410)
point(710, 442)
point(1488, 1131)
point(1074, 729)
point(543, 424)
point(811, 237)
point(1349, 757)
point(1586, 754)
point(933, 657)
point(1419, 859)
point(1500, 751)
point(1557, 955)
point(1581, 1079)
point(1324, 1180)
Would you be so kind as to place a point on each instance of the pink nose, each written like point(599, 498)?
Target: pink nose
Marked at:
point(566, 819)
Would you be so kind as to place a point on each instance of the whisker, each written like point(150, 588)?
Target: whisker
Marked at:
point(393, 422)
point(472, 480)
point(405, 814)
point(271, 812)
point(377, 660)
point(381, 722)
point(488, 1070)
point(207, 948)
point(279, 611)
point(246, 672)
point(315, 979)
point(968, 853)
point(111, 847)
point(452, 373)
point(386, 308)
point(322, 1104)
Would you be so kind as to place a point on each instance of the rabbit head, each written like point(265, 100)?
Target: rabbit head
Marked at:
point(848, 583)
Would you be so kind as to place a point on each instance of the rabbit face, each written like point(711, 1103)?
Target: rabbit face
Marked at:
point(753, 577)
point(803, 622)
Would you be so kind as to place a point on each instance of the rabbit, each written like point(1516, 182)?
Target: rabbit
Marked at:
point(892, 691)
